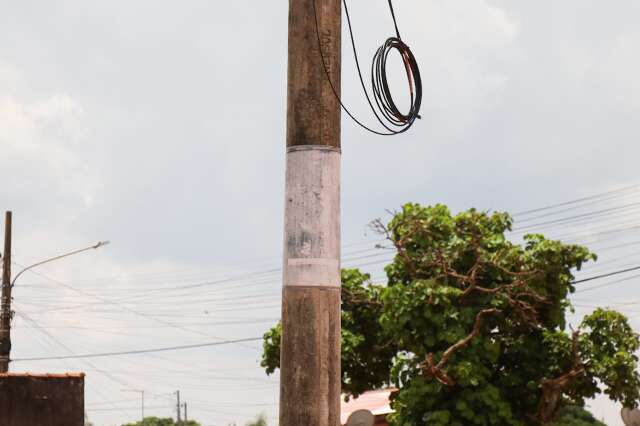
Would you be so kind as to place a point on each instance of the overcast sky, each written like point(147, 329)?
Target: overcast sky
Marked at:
point(160, 126)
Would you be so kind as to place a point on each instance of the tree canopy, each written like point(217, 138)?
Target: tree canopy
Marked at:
point(576, 416)
point(471, 328)
point(261, 420)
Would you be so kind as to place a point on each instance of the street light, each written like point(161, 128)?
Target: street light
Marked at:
point(93, 247)
point(7, 284)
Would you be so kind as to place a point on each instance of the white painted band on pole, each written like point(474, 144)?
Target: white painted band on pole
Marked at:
point(312, 272)
point(312, 217)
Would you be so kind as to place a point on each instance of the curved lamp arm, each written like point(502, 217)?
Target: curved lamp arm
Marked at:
point(93, 247)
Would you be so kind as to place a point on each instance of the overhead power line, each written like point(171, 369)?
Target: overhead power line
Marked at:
point(610, 274)
point(580, 200)
point(65, 347)
point(607, 284)
point(141, 351)
point(568, 209)
point(126, 308)
point(250, 339)
point(226, 342)
point(579, 217)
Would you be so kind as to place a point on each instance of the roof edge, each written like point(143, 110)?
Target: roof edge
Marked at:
point(44, 375)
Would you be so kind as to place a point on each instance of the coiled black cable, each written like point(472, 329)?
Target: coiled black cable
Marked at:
point(387, 112)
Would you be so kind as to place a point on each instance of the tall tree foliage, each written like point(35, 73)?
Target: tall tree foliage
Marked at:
point(471, 327)
point(576, 416)
point(261, 420)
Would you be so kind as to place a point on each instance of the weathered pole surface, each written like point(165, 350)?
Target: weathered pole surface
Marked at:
point(5, 303)
point(310, 347)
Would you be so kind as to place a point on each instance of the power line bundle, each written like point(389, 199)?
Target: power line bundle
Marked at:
point(385, 110)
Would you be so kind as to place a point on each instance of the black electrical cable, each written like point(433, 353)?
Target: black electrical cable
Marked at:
point(140, 351)
point(387, 112)
point(597, 277)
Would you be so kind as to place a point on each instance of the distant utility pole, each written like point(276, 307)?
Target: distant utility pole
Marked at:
point(141, 392)
point(178, 420)
point(186, 418)
point(142, 403)
point(5, 304)
point(310, 347)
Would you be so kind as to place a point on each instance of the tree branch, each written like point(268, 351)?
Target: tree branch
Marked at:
point(437, 370)
point(552, 389)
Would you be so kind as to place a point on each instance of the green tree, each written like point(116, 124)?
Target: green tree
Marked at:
point(261, 420)
point(471, 327)
point(165, 421)
point(576, 416)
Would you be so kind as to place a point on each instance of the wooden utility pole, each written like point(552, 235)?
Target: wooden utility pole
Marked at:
point(310, 347)
point(186, 418)
point(5, 303)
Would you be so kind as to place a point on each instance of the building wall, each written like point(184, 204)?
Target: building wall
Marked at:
point(41, 400)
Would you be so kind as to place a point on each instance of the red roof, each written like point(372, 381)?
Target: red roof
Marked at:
point(375, 401)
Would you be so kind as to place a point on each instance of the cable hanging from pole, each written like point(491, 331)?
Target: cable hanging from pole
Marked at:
point(385, 109)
